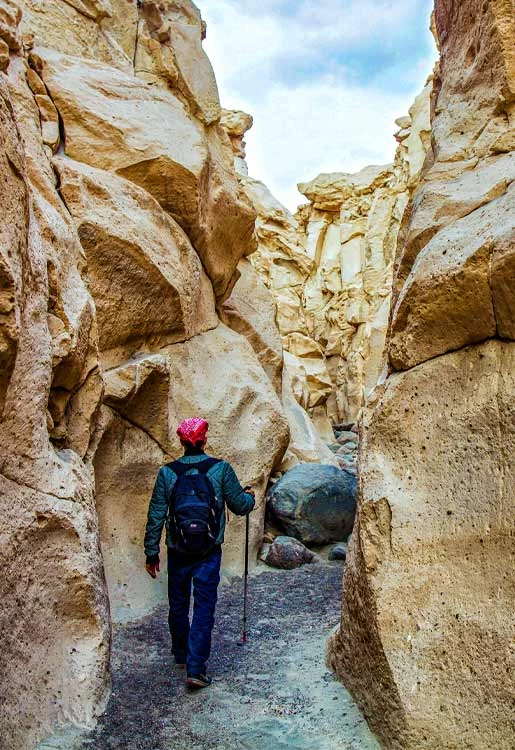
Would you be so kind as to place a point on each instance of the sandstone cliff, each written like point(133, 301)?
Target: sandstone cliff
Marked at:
point(127, 304)
point(426, 641)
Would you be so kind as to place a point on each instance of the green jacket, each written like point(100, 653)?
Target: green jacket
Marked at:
point(225, 484)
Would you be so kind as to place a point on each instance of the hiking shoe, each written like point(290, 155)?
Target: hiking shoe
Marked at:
point(198, 681)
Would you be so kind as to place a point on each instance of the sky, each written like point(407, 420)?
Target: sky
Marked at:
point(324, 80)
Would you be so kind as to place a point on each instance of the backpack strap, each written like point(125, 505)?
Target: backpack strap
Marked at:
point(179, 468)
point(202, 467)
point(205, 465)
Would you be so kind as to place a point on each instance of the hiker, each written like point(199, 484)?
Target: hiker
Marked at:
point(190, 495)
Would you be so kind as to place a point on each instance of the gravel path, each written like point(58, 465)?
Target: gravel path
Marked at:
point(275, 692)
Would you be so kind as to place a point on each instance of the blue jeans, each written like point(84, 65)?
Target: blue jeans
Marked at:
point(191, 643)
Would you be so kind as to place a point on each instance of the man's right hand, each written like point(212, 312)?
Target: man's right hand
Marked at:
point(152, 567)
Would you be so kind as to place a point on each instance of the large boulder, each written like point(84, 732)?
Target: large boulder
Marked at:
point(315, 503)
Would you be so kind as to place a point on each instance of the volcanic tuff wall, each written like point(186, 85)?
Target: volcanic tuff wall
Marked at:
point(126, 304)
point(426, 640)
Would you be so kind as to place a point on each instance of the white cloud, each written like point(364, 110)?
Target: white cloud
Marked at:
point(299, 69)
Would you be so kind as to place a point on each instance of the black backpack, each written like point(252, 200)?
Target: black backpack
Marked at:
point(193, 510)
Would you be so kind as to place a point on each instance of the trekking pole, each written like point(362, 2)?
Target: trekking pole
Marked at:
point(244, 639)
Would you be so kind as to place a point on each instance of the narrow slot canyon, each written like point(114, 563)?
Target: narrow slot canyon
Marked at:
point(355, 362)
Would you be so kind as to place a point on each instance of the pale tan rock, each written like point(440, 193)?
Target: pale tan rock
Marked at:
point(441, 202)
point(10, 17)
point(431, 559)
point(311, 375)
point(94, 29)
point(236, 123)
point(49, 121)
point(109, 334)
point(428, 606)
point(138, 390)
point(250, 310)
point(13, 234)
point(306, 445)
point(4, 56)
point(247, 422)
point(70, 308)
point(114, 122)
point(446, 302)
point(473, 107)
point(147, 281)
point(329, 191)
point(170, 51)
point(217, 375)
point(126, 463)
point(284, 267)
point(465, 198)
point(96, 9)
point(418, 141)
point(330, 269)
point(350, 230)
point(49, 539)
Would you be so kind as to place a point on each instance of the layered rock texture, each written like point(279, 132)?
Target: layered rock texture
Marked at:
point(330, 268)
point(349, 230)
point(126, 305)
point(426, 641)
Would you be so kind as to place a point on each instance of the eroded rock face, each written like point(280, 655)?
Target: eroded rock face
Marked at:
point(428, 605)
point(55, 616)
point(124, 230)
point(330, 268)
point(349, 230)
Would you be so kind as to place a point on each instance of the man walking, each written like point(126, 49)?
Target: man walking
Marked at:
point(190, 495)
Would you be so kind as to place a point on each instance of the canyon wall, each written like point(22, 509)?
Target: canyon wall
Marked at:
point(426, 639)
point(349, 230)
point(127, 303)
point(330, 268)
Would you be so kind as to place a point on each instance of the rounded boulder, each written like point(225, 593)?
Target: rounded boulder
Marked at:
point(314, 503)
point(288, 553)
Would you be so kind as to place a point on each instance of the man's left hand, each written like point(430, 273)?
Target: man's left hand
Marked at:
point(152, 567)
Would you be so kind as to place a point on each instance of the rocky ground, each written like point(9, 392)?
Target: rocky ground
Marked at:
point(274, 692)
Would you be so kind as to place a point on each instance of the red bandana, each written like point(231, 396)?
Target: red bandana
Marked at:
point(193, 430)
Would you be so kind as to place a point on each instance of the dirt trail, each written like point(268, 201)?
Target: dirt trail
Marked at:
point(275, 692)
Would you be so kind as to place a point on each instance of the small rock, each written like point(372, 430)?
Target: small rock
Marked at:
point(288, 553)
point(346, 437)
point(347, 450)
point(338, 552)
point(263, 552)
